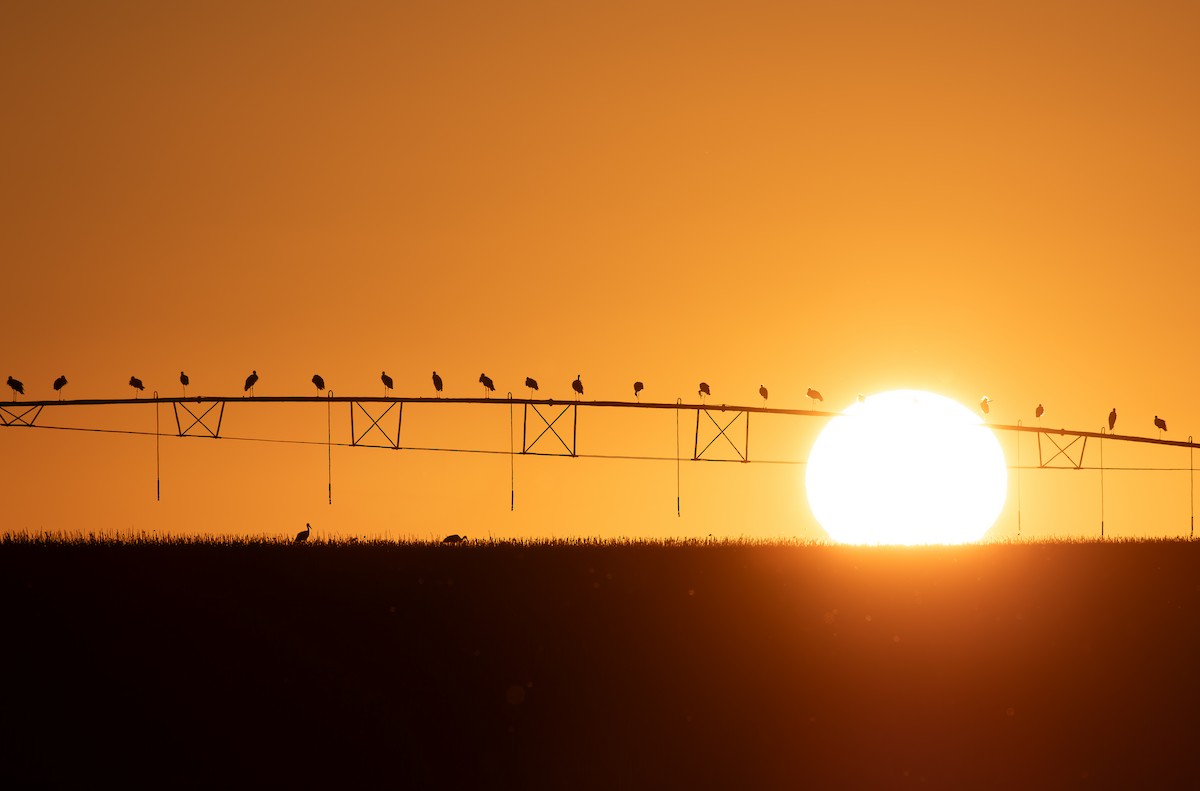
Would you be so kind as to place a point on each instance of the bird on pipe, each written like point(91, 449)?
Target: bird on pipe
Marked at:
point(488, 386)
point(303, 535)
point(59, 384)
point(437, 382)
point(1160, 424)
point(387, 381)
point(250, 381)
point(637, 391)
point(703, 391)
point(814, 395)
point(577, 386)
point(454, 538)
point(1039, 411)
point(531, 383)
point(136, 384)
point(318, 382)
point(762, 391)
point(183, 380)
point(17, 387)
point(985, 405)
point(1112, 419)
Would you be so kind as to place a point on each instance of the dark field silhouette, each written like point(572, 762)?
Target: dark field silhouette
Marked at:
point(579, 665)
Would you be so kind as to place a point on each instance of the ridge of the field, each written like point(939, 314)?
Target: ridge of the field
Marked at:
point(587, 663)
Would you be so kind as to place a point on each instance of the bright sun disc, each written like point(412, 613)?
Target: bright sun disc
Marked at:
point(906, 467)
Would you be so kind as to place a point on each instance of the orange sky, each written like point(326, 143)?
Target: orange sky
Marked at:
point(970, 198)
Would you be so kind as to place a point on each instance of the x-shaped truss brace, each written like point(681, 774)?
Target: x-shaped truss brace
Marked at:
point(10, 417)
point(356, 439)
point(1061, 449)
point(527, 447)
point(722, 431)
point(199, 420)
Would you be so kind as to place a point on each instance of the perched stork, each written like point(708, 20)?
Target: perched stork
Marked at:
point(136, 384)
point(703, 391)
point(319, 383)
point(488, 386)
point(531, 383)
point(302, 536)
point(762, 391)
point(985, 405)
point(183, 380)
point(814, 395)
point(577, 386)
point(250, 380)
point(1112, 419)
point(638, 387)
point(17, 387)
point(1160, 424)
point(437, 382)
point(387, 381)
point(454, 538)
point(1039, 411)
point(59, 384)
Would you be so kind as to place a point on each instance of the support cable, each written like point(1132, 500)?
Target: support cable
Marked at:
point(1018, 482)
point(512, 463)
point(612, 456)
point(678, 511)
point(157, 457)
point(329, 444)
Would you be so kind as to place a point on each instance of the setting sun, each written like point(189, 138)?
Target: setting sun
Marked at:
point(906, 467)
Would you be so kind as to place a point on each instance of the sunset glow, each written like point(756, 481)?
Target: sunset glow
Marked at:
point(574, 395)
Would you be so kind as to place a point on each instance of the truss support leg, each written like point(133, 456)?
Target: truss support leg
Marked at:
point(198, 426)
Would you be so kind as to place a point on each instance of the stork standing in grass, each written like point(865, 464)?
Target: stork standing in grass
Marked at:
point(303, 535)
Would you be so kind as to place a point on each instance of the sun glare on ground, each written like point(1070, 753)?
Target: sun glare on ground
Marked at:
point(906, 467)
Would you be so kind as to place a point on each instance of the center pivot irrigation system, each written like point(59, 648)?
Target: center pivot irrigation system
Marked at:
point(376, 422)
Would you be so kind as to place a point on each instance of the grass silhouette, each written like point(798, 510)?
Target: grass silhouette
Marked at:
point(586, 663)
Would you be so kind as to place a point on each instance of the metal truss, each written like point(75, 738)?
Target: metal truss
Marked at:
point(527, 446)
point(356, 439)
point(743, 452)
point(199, 422)
point(1062, 450)
point(11, 416)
